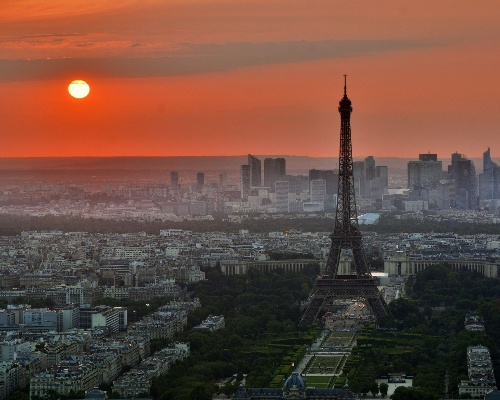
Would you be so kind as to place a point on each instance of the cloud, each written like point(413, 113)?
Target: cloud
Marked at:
point(188, 59)
point(46, 35)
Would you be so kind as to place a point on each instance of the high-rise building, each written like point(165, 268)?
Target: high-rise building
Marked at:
point(370, 181)
point(369, 168)
point(174, 179)
point(274, 170)
point(318, 192)
point(297, 183)
point(330, 177)
point(424, 173)
point(223, 180)
point(379, 186)
point(358, 170)
point(282, 201)
point(245, 181)
point(427, 157)
point(463, 172)
point(200, 181)
point(489, 180)
point(255, 171)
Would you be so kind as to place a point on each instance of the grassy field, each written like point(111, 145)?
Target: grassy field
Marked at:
point(321, 382)
point(323, 365)
point(338, 338)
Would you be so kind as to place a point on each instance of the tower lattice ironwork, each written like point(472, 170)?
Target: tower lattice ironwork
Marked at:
point(346, 236)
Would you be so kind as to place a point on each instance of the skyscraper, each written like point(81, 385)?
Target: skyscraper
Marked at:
point(255, 171)
point(463, 172)
point(282, 201)
point(274, 170)
point(174, 179)
point(245, 181)
point(222, 180)
point(381, 181)
point(358, 170)
point(318, 192)
point(424, 173)
point(329, 176)
point(370, 181)
point(489, 180)
point(369, 168)
point(200, 180)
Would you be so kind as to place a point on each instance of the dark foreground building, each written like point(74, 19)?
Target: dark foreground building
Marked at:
point(294, 388)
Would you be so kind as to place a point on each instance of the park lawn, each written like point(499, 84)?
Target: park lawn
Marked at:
point(335, 338)
point(323, 364)
point(318, 381)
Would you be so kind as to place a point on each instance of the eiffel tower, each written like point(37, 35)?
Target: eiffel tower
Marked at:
point(346, 235)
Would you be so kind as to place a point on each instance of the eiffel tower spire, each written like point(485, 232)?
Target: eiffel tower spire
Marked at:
point(346, 236)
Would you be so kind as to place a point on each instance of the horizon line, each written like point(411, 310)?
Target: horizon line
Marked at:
point(219, 155)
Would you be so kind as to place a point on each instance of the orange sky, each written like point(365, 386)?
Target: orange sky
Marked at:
point(225, 77)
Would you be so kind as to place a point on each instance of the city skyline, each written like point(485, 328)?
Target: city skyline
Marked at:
point(204, 78)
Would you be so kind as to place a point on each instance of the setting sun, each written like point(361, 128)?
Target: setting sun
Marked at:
point(78, 89)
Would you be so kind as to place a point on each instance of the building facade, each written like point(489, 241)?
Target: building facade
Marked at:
point(294, 387)
point(174, 180)
point(255, 171)
point(245, 182)
point(489, 183)
point(424, 173)
point(463, 173)
point(282, 198)
point(274, 170)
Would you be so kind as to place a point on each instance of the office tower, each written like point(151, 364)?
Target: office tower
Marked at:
point(444, 192)
point(245, 181)
point(274, 170)
point(282, 202)
point(200, 180)
point(370, 181)
point(358, 170)
point(318, 190)
point(174, 179)
point(381, 181)
point(463, 172)
point(255, 171)
point(297, 183)
point(427, 157)
point(222, 180)
point(329, 176)
point(369, 168)
point(489, 180)
point(424, 173)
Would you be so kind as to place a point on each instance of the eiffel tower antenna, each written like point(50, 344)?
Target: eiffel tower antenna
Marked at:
point(346, 236)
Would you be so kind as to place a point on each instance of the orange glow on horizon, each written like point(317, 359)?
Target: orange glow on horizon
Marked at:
point(198, 78)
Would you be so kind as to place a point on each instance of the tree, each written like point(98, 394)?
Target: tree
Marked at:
point(374, 388)
point(384, 388)
point(200, 392)
point(229, 389)
point(18, 395)
point(411, 393)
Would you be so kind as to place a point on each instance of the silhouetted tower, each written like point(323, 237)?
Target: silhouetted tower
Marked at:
point(346, 236)
point(200, 181)
point(174, 179)
point(255, 171)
